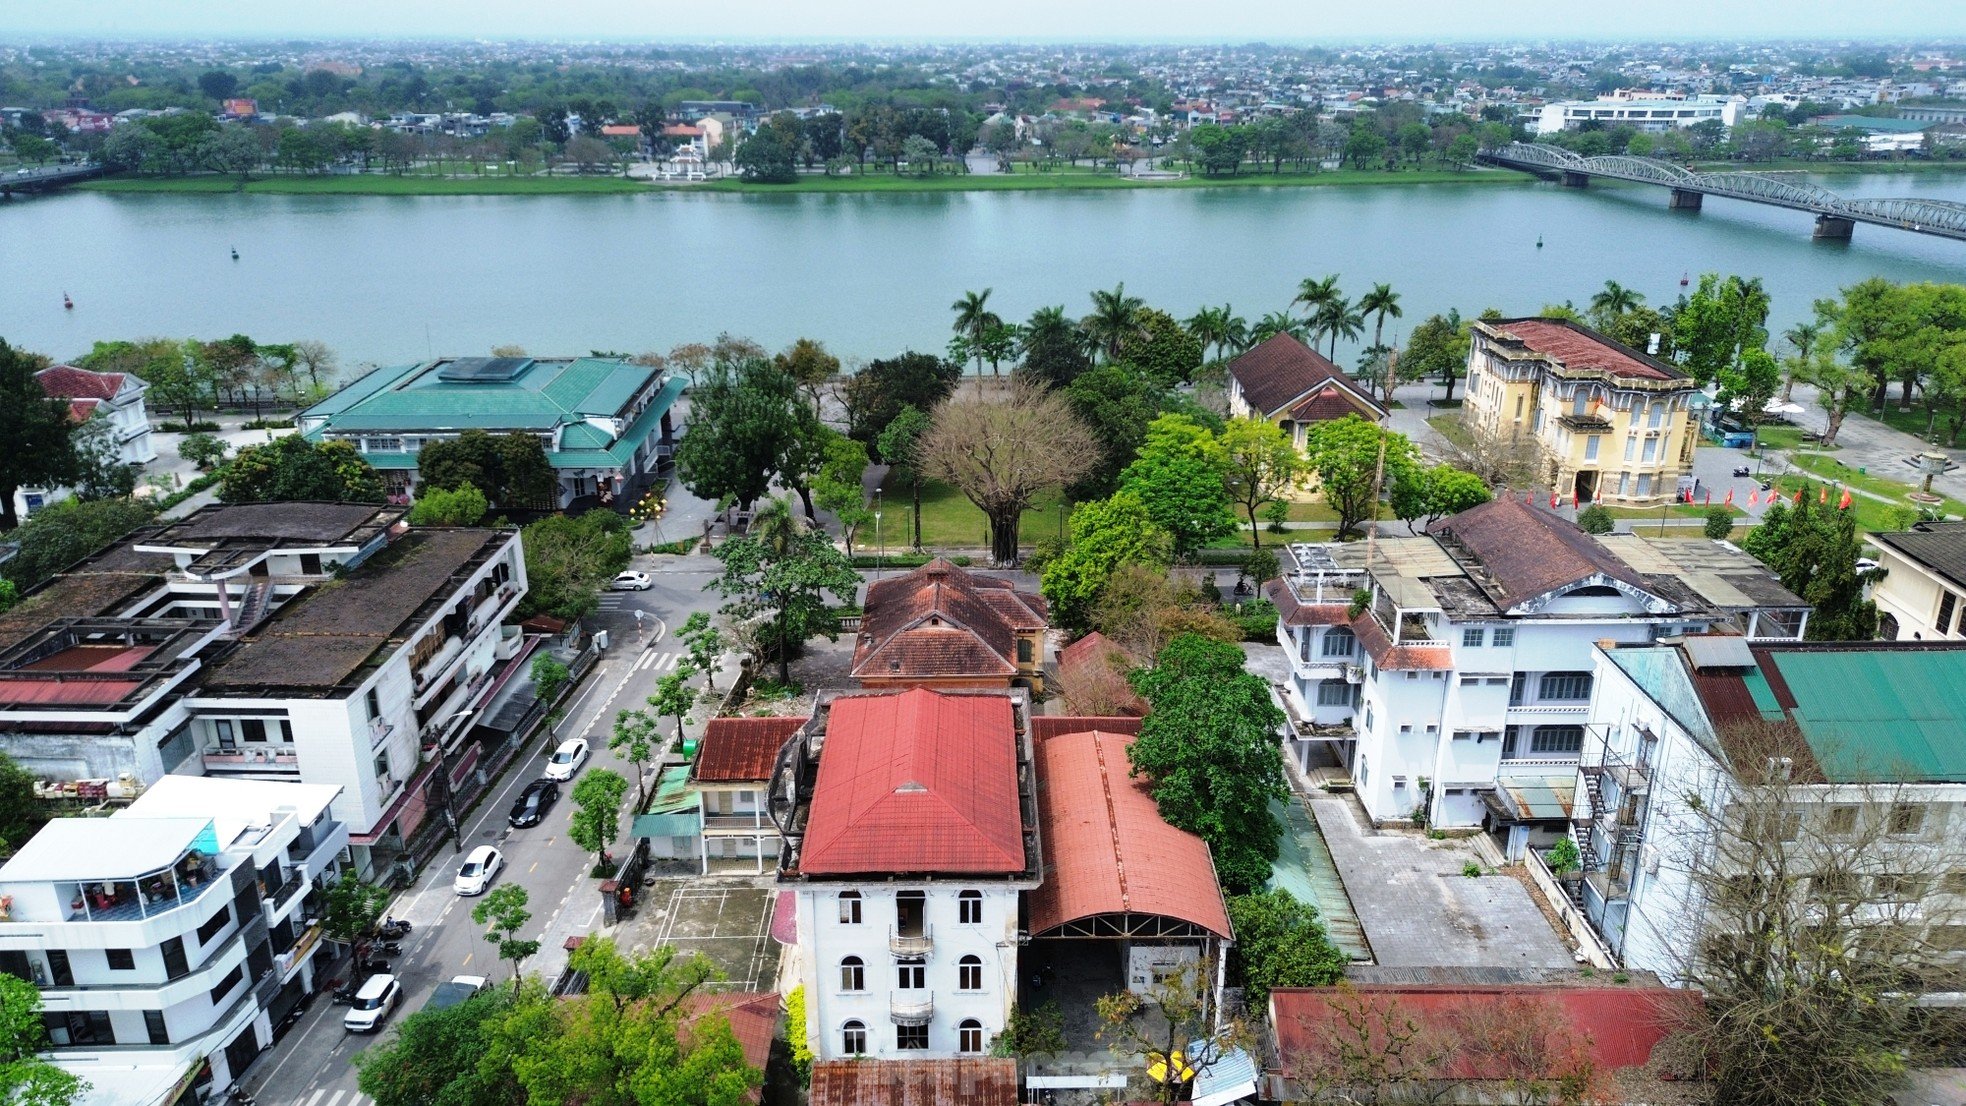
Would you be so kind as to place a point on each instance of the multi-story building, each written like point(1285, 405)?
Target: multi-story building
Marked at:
point(308, 642)
point(1605, 422)
point(1921, 595)
point(945, 627)
point(1645, 111)
point(168, 939)
point(1851, 756)
point(731, 774)
point(1443, 668)
point(911, 830)
point(110, 404)
point(1284, 381)
point(605, 423)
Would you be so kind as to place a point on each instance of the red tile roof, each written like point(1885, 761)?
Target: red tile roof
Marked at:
point(69, 382)
point(969, 1082)
point(741, 749)
point(941, 622)
point(1044, 727)
point(1621, 1025)
point(1579, 347)
point(1523, 552)
point(1093, 667)
point(82, 410)
point(1294, 613)
point(1433, 656)
point(1333, 402)
point(1106, 848)
point(753, 1017)
point(1280, 370)
point(621, 130)
point(916, 782)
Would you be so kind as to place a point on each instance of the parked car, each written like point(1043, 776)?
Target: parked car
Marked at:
point(454, 991)
point(372, 1004)
point(533, 803)
point(480, 866)
point(567, 759)
point(632, 581)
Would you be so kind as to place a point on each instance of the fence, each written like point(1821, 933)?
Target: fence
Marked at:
point(1588, 942)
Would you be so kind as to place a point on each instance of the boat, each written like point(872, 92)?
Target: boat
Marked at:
point(66, 303)
point(235, 253)
point(1539, 241)
point(1682, 280)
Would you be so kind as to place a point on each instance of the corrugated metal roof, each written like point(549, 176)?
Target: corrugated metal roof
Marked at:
point(1898, 714)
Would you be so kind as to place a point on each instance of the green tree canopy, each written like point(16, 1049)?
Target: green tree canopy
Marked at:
point(26, 1079)
point(503, 913)
point(20, 811)
point(1160, 349)
point(1179, 476)
point(1434, 493)
point(1105, 534)
point(779, 575)
point(1437, 348)
point(60, 535)
point(1814, 549)
point(512, 470)
point(744, 419)
point(39, 437)
point(596, 820)
point(1346, 455)
point(462, 506)
point(569, 560)
point(1260, 465)
point(1280, 943)
point(877, 393)
point(1116, 403)
point(291, 468)
point(1209, 748)
point(436, 1057)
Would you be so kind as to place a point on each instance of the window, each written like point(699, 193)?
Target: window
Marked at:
point(1412, 675)
point(853, 974)
point(226, 984)
point(853, 1039)
point(80, 1027)
point(59, 968)
point(1650, 452)
point(252, 729)
point(1645, 484)
point(1590, 447)
point(1842, 820)
point(1474, 638)
point(969, 908)
point(1898, 887)
point(216, 923)
point(1834, 887)
point(1464, 735)
point(969, 1037)
point(174, 964)
point(1339, 642)
point(910, 1037)
point(849, 908)
point(1564, 686)
point(1557, 739)
point(1335, 693)
point(1907, 818)
point(1773, 825)
point(1303, 643)
point(121, 960)
point(969, 973)
point(911, 977)
point(373, 702)
point(1947, 603)
point(1407, 728)
point(153, 1020)
point(1631, 446)
point(1362, 774)
point(1654, 414)
point(1023, 650)
point(1504, 636)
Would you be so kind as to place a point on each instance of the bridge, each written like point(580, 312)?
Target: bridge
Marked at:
point(1835, 216)
point(27, 181)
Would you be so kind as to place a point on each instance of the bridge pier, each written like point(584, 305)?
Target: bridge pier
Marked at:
point(1576, 180)
point(1686, 200)
point(1833, 228)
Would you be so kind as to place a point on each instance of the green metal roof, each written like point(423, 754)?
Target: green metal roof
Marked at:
point(1897, 714)
point(545, 394)
point(675, 810)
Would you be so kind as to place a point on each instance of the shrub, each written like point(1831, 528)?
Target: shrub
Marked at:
point(1720, 522)
point(202, 450)
point(1471, 869)
point(1564, 859)
point(673, 548)
point(1257, 619)
point(1594, 519)
point(182, 428)
point(796, 1030)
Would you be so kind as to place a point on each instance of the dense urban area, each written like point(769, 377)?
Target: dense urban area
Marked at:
point(1328, 700)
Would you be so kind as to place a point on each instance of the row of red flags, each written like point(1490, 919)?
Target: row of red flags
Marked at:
point(1754, 498)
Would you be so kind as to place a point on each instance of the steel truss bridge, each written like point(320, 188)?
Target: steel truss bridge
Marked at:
point(43, 180)
point(1835, 215)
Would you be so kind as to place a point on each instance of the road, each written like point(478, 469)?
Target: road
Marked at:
point(311, 1066)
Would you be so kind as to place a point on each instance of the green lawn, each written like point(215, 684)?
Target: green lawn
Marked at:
point(1912, 420)
point(374, 184)
point(1898, 492)
point(1452, 428)
point(951, 521)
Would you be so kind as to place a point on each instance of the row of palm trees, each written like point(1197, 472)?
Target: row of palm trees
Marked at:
point(1327, 317)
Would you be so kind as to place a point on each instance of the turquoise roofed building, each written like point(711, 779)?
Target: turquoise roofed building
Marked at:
point(606, 423)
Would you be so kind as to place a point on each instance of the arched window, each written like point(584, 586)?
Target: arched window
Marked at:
point(850, 908)
point(853, 974)
point(969, 1036)
point(853, 1039)
point(969, 908)
point(969, 973)
point(1339, 642)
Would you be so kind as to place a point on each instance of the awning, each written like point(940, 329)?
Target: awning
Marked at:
point(1536, 798)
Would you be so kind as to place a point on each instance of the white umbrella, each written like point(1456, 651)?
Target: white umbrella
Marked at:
point(1776, 407)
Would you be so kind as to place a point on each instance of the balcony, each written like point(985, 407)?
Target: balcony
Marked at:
point(911, 1007)
point(1557, 709)
point(247, 760)
point(743, 820)
point(911, 945)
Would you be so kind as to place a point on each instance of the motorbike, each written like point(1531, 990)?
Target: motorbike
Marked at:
point(1741, 470)
point(393, 930)
point(345, 996)
point(374, 964)
point(386, 948)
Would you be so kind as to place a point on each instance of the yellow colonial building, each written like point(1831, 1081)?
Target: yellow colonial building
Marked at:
point(1608, 422)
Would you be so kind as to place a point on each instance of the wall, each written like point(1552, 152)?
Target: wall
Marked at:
point(1911, 594)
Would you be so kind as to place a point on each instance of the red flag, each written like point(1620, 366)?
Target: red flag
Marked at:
point(1553, 501)
point(1824, 497)
point(1730, 497)
point(1753, 497)
point(1798, 497)
point(1709, 497)
point(1844, 503)
point(1573, 499)
point(1527, 498)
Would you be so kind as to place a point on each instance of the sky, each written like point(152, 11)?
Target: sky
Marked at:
point(990, 20)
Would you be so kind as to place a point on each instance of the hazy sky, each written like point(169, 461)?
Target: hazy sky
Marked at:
point(855, 20)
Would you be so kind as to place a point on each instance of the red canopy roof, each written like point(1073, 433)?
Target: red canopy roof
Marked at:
point(916, 782)
point(737, 750)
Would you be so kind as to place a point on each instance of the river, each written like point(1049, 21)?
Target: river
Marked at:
point(390, 279)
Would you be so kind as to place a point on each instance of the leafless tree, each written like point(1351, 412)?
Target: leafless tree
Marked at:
point(1142, 609)
point(316, 360)
point(1171, 1021)
point(1001, 450)
point(1098, 689)
point(1370, 1052)
point(1819, 912)
point(1503, 461)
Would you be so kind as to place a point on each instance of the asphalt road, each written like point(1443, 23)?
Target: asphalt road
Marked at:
point(311, 1065)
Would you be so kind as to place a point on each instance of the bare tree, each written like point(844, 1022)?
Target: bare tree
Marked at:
point(1502, 461)
point(1521, 1046)
point(316, 360)
point(1167, 1032)
point(1001, 450)
point(1369, 1052)
point(1098, 689)
point(1142, 609)
point(1820, 910)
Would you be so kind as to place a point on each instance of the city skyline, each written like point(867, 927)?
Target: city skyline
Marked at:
point(1011, 20)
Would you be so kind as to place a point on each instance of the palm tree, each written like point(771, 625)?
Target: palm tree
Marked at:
point(1279, 322)
point(1803, 337)
point(973, 318)
point(1381, 301)
point(775, 527)
point(1115, 318)
point(1209, 326)
point(1236, 332)
point(1615, 300)
point(1314, 293)
point(1337, 318)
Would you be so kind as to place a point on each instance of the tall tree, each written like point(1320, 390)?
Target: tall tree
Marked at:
point(900, 449)
point(292, 469)
point(1115, 318)
point(973, 319)
point(1053, 349)
point(1260, 465)
point(1180, 476)
point(633, 736)
point(1436, 492)
point(1612, 301)
point(1380, 303)
point(1814, 549)
point(1337, 318)
point(20, 809)
point(1209, 750)
point(1169, 1045)
point(1438, 347)
point(1356, 461)
point(569, 560)
point(1315, 292)
point(780, 573)
point(26, 1077)
point(877, 393)
point(1001, 451)
point(1280, 943)
point(744, 417)
point(503, 913)
point(1161, 349)
point(39, 436)
point(436, 1058)
point(596, 820)
point(1106, 535)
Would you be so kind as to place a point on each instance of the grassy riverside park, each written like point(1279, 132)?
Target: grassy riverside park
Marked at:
point(425, 184)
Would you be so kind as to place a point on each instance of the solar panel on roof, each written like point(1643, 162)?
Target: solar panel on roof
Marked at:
point(484, 370)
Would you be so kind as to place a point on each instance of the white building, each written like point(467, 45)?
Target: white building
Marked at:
point(104, 403)
point(1452, 673)
point(1673, 730)
point(908, 844)
point(172, 935)
point(1647, 112)
point(1922, 593)
point(303, 642)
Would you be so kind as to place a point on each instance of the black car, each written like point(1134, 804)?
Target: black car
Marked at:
point(533, 803)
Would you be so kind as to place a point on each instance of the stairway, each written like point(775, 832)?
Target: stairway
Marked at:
point(252, 609)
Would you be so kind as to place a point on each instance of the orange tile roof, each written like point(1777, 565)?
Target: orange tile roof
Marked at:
point(1281, 369)
point(753, 1017)
point(741, 749)
point(942, 622)
point(1579, 347)
point(916, 782)
point(69, 382)
point(1107, 850)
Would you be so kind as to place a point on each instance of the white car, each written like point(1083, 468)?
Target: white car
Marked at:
point(373, 1002)
point(478, 869)
point(567, 759)
point(632, 580)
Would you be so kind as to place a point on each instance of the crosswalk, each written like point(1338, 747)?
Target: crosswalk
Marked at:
point(653, 661)
point(326, 1097)
point(613, 600)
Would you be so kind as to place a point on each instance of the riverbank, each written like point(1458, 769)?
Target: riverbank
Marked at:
point(380, 184)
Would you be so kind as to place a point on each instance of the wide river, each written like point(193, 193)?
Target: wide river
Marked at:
point(388, 279)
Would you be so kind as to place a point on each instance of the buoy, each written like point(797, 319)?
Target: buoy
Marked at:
point(1682, 280)
point(66, 303)
point(235, 253)
point(1539, 241)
